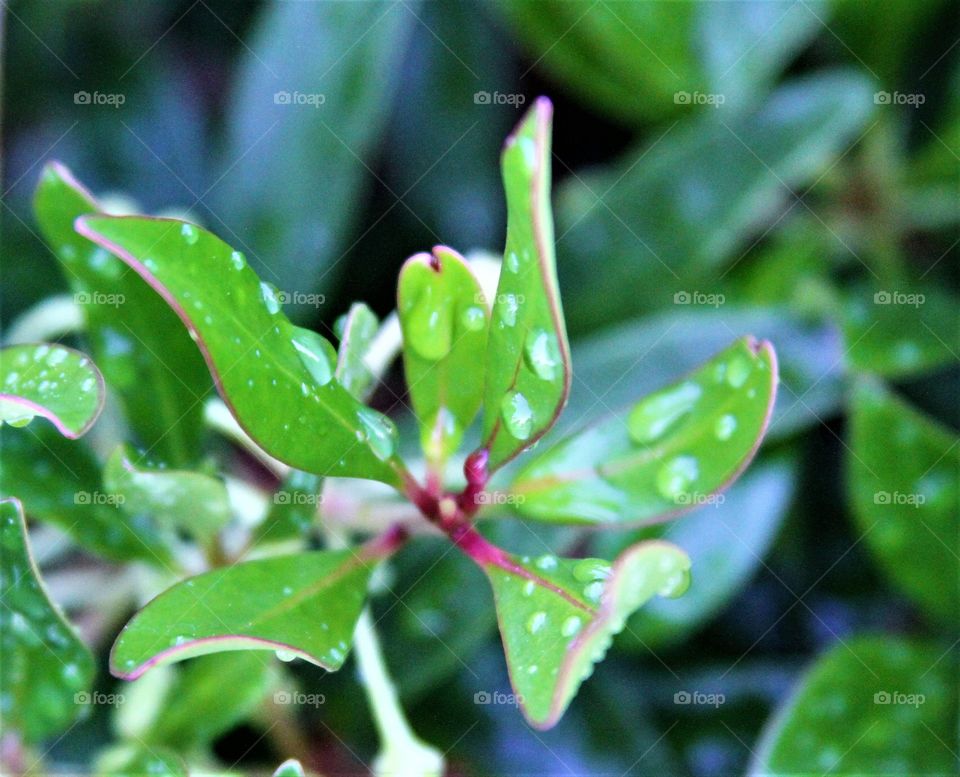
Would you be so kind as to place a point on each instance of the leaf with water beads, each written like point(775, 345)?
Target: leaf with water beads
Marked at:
point(444, 319)
point(528, 359)
point(52, 381)
point(558, 616)
point(666, 455)
point(46, 670)
point(277, 379)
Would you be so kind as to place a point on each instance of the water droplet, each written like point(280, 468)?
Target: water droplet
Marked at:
point(589, 569)
point(507, 307)
point(725, 426)
point(653, 416)
point(381, 432)
point(673, 585)
point(271, 297)
point(56, 357)
point(474, 318)
point(541, 354)
point(546, 561)
point(532, 669)
point(190, 234)
point(738, 370)
point(676, 476)
point(570, 626)
point(593, 591)
point(529, 587)
point(536, 622)
point(428, 323)
point(512, 262)
point(517, 415)
point(238, 260)
point(316, 353)
point(529, 149)
point(286, 655)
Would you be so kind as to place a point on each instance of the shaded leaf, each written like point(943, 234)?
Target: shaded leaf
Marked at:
point(293, 510)
point(277, 379)
point(666, 455)
point(528, 359)
point(52, 381)
point(46, 669)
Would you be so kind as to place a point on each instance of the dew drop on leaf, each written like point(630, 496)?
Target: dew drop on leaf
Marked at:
point(286, 655)
point(541, 354)
point(676, 476)
point(473, 318)
point(271, 297)
point(381, 432)
point(512, 262)
point(536, 621)
point(570, 626)
point(190, 234)
point(738, 370)
point(590, 569)
point(725, 426)
point(517, 415)
point(316, 354)
point(653, 416)
point(238, 260)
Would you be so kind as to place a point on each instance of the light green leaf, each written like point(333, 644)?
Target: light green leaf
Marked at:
point(359, 328)
point(46, 670)
point(304, 606)
point(176, 499)
point(902, 469)
point(276, 378)
point(558, 616)
point(126, 760)
point(871, 705)
point(444, 319)
point(666, 455)
point(52, 381)
point(528, 359)
point(135, 338)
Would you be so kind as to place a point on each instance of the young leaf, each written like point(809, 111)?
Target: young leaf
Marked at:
point(59, 482)
point(902, 472)
point(528, 359)
point(46, 669)
point(558, 616)
point(360, 326)
point(872, 705)
point(177, 499)
point(666, 455)
point(444, 321)
point(276, 378)
point(134, 337)
point(52, 381)
point(304, 606)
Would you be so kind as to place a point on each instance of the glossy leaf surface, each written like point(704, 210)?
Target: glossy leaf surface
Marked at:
point(277, 379)
point(304, 605)
point(528, 359)
point(51, 381)
point(360, 326)
point(444, 318)
point(902, 469)
point(558, 616)
point(666, 454)
point(46, 669)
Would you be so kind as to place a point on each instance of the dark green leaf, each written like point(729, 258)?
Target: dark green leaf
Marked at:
point(52, 381)
point(666, 455)
point(444, 319)
point(276, 378)
point(902, 469)
point(528, 359)
point(46, 669)
point(293, 511)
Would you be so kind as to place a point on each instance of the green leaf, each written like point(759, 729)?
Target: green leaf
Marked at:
point(52, 381)
point(289, 768)
point(558, 616)
point(46, 669)
point(294, 509)
point(360, 327)
point(126, 760)
point(304, 606)
point(145, 354)
point(871, 705)
point(444, 319)
point(59, 483)
point(666, 455)
point(276, 378)
point(176, 499)
point(902, 470)
point(528, 359)
point(294, 166)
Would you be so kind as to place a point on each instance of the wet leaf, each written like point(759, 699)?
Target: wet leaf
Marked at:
point(871, 705)
point(558, 616)
point(667, 454)
point(360, 327)
point(51, 381)
point(276, 378)
point(46, 670)
point(902, 478)
point(444, 318)
point(528, 359)
point(302, 606)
